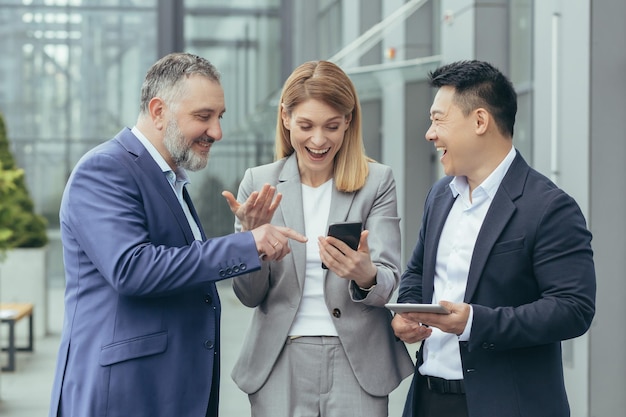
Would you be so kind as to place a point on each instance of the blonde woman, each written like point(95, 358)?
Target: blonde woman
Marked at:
point(320, 341)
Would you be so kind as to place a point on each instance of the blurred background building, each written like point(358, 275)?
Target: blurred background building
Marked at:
point(71, 73)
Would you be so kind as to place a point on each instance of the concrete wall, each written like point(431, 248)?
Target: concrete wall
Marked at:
point(607, 202)
point(561, 137)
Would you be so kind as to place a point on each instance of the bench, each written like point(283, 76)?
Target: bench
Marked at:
point(11, 313)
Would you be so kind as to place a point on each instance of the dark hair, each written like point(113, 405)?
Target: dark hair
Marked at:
point(163, 78)
point(480, 84)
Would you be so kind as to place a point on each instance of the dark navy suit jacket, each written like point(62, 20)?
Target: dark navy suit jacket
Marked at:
point(531, 284)
point(142, 314)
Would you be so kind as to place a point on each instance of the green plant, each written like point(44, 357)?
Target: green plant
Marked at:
point(20, 226)
point(7, 184)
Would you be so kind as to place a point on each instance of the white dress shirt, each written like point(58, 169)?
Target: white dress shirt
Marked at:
point(454, 256)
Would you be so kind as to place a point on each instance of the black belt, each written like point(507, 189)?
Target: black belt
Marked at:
point(445, 386)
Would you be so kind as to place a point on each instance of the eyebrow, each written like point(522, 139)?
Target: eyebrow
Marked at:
point(208, 110)
point(304, 119)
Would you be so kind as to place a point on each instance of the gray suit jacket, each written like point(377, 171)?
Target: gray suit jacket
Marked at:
point(378, 359)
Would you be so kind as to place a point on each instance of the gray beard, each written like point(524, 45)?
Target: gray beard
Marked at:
point(182, 155)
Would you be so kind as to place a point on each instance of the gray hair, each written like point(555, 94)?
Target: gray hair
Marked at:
point(164, 77)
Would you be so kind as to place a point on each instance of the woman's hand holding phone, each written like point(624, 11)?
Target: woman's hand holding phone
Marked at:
point(346, 252)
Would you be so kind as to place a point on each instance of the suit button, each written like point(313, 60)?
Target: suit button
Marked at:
point(229, 271)
point(222, 273)
point(208, 299)
point(336, 313)
point(208, 344)
point(235, 269)
point(242, 266)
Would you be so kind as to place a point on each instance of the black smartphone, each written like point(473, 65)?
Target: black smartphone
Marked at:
point(347, 232)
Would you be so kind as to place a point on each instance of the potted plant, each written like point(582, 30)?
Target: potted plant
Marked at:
point(7, 185)
point(23, 240)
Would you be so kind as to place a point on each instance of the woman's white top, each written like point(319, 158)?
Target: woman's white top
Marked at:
point(313, 317)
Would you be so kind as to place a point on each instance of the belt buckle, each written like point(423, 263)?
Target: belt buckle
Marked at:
point(444, 386)
point(434, 385)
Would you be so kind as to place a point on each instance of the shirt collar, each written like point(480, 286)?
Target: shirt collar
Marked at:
point(180, 173)
point(490, 185)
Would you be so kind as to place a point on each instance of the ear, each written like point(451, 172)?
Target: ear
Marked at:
point(482, 120)
point(284, 116)
point(157, 109)
point(348, 119)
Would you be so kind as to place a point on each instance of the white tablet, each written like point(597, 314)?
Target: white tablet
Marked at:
point(417, 308)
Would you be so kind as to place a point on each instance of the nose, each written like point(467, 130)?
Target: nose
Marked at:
point(215, 130)
point(318, 138)
point(430, 133)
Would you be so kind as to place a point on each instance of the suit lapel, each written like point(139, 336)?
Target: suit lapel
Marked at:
point(340, 204)
point(500, 212)
point(497, 217)
point(291, 211)
point(434, 226)
point(156, 176)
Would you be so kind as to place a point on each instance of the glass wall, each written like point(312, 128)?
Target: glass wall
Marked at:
point(72, 75)
point(329, 23)
point(69, 79)
point(521, 64)
point(75, 73)
point(72, 81)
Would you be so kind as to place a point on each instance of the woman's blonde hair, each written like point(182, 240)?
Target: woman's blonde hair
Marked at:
point(326, 82)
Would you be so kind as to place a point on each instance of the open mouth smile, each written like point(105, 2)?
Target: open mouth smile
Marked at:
point(205, 142)
point(317, 153)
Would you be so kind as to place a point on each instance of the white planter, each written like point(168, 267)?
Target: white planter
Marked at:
point(23, 280)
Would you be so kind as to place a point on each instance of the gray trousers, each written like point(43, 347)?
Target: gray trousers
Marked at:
point(312, 378)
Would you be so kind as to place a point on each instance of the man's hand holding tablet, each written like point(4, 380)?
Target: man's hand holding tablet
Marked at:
point(417, 308)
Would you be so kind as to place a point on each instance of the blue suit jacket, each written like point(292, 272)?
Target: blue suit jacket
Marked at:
point(531, 284)
point(141, 328)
